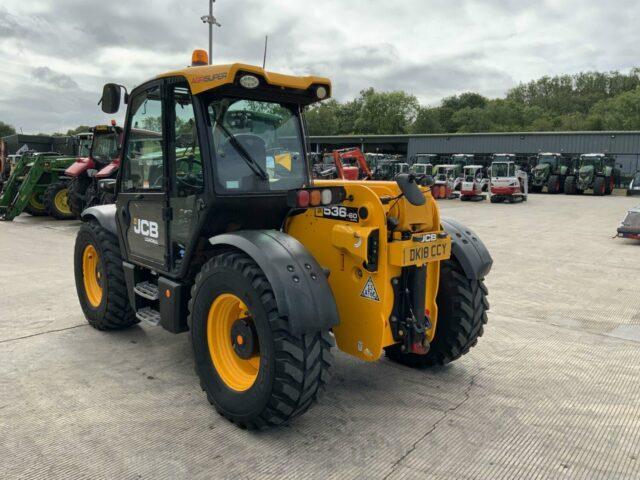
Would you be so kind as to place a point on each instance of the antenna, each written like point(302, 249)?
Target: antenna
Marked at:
point(264, 58)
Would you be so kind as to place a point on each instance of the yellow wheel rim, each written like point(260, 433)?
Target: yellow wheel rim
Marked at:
point(92, 276)
point(35, 202)
point(226, 346)
point(61, 201)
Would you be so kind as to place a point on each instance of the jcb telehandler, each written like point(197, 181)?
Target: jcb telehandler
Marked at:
point(265, 267)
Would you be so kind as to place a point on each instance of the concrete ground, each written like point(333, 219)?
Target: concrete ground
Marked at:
point(551, 390)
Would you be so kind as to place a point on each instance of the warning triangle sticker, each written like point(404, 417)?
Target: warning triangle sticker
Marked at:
point(369, 291)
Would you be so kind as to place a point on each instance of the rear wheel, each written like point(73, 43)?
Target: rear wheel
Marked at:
point(254, 370)
point(553, 185)
point(56, 201)
point(462, 314)
point(599, 186)
point(100, 279)
point(609, 186)
point(77, 190)
point(570, 186)
point(35, 205)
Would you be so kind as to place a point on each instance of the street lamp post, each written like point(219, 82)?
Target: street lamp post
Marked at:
point(211, 20)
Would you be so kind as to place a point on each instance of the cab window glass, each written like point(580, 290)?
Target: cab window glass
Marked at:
point(188, 161)
point(258, 146)
point(144, 166)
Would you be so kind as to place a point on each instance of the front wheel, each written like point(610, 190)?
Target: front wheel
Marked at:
point(77, 191)
point(56, 202)
point(100, 282)
point(254, 370)
point(462, 314)
point(35, 205)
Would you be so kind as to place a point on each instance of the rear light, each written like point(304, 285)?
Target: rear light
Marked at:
point(326, 196)
point(315, 197)
point(303, 198)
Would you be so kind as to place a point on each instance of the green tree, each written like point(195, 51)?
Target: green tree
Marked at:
point(323, 118)
point(619, 113)
point(6, 129)
point(427, 121)
point(386, 112)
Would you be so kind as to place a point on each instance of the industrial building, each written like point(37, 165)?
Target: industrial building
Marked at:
point(625, 146)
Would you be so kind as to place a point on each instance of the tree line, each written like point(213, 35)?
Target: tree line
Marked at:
point(585, 101)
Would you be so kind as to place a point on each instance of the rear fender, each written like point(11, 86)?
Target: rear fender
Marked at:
point(468, 250)
point(79, 167)
point(110, 170)
point(299, 284)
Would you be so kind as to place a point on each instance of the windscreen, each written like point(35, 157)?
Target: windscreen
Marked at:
point(500, 170)
point(258, 146)
point(105, 147)
point(550, 159)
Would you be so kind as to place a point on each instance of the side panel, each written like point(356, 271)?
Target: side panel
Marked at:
point(300, 286)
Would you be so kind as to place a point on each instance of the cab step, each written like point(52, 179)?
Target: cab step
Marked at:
point(149, 315)
point(147, 290)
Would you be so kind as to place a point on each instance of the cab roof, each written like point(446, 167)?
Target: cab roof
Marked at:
point(207, 77)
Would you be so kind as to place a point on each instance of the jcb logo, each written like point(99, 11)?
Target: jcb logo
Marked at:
point(145, 228)
point(426, 238)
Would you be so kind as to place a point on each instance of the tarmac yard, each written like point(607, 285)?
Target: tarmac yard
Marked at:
point(551, 391)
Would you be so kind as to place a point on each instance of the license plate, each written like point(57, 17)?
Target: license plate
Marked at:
point(427, 252)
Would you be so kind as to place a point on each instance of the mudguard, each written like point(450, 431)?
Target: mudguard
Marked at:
point(300, 286)
point(104, 214)
point(468, 250)
point(80, 166)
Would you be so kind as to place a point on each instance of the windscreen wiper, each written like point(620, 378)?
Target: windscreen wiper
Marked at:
point(249, 160)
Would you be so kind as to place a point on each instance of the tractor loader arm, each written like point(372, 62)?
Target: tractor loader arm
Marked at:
point(300, 285)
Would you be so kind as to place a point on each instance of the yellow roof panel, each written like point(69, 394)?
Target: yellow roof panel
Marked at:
point(206, 77)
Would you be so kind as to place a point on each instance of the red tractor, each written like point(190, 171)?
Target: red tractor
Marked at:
point(350, 171)
point(103, 162)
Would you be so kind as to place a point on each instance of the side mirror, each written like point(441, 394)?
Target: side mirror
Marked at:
point(108, 185)
point(410, 189)
point(110, 101)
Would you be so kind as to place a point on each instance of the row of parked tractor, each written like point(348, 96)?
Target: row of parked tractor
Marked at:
point(61, 186)
point(468, 177)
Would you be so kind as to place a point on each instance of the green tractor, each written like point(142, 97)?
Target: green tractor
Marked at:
point(551, 171)
point(595, 171)
point(37, 187)
point(37, 184)
point(423, 164)
point(387, 169)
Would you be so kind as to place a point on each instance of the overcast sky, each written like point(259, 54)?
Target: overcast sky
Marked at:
point(55, 55)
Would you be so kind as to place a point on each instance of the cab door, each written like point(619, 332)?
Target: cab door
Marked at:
point(142, 199)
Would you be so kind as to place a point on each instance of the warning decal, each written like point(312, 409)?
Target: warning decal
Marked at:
point(369, 291)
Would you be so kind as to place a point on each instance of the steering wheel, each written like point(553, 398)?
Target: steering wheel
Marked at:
point(189, 180)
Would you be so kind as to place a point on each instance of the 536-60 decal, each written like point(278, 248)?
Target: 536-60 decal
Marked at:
point(339, 212)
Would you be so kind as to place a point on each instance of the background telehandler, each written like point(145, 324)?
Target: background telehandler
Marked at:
point(265, 267)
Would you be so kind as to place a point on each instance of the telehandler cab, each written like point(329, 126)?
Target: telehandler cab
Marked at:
point(265, 267)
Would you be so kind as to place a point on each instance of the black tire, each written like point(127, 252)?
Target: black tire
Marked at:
point(293, 368)
point(36, 212)
point(608, 186)
point(553, 184)
point(462, 306)
point(598, 186)
point(114, 311)
point(570, 186)
point(536, 189)
point(77, 190)
point(50, 204)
